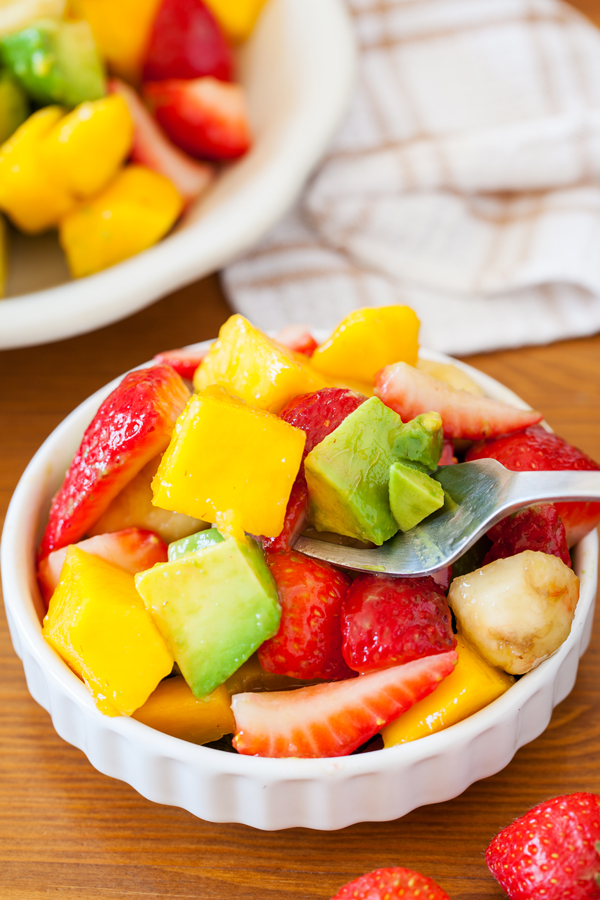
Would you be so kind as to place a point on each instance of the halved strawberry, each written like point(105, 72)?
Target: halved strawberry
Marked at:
point(205, 117)
point(153, 149)
point(536, 448)
point(132, 426)
point(537, 528)
point(410, 392)
point(320, 413)
point(308, 643)
point(333, 719)
point(187, 42)
point(298, 338)
point(295, 518)
point(185, 362)
point(133, 549)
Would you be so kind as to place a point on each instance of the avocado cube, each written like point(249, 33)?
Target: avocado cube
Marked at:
point(194, 543)
point(213, 608)
point(414, 495)
point(55, 62)
point(422, 441)
point(348, 473)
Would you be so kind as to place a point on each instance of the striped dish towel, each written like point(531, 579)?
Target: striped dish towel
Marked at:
point(465, 182)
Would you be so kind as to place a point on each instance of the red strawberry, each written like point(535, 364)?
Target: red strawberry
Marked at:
point(333, 719)
point(410, 392)
point(308, 644)
point(298, 338)
point(392, 884)
point(131, 427)
point(320, 413)
point(536, 448)
point(133, 549)
point(537, 528)
point(295, 518)
point(388, 621)
point(185, 362)
point(153, 149)
point(447, 458)
point(187, 42)
point(551, 852)
point(204, 117)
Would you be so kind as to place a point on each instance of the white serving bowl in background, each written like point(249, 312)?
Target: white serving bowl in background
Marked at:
point(298, 71)
point(269, 793)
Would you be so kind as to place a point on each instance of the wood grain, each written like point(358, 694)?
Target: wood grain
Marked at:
point(68, 832)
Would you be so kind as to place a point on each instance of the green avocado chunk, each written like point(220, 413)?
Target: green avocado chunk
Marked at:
point(348, 473)
point(194, 543)
point(213, 608)
point(55, 62)
point(14, 106)
point(422, 441)
point(414, 495)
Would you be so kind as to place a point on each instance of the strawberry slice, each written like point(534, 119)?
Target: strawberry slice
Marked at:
point(132, 426)
point(297, 338)
point(536, 448)
point(447, 458)
point(295, 518)
point(333, 719)
point(185, 362)
point(537, 528)
point(308, 644)
point(205, 117)
point(153, 149)
point(133, 549)
point(410, 392)
point(388, 621)
point(187, 42)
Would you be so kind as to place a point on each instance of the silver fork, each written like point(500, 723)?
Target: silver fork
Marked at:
point(484, 492)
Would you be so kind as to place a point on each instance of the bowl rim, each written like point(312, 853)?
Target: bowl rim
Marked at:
point(235, 223)
point(22, 601)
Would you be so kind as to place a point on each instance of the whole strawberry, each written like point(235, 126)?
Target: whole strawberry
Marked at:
point(551, 852)
point(392, 884)
point(309, 641)
point(536, 448)
point(388, 621)
point(536, 528)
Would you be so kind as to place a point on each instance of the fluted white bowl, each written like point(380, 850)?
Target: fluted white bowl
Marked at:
point(298, 71)
point(269, 793)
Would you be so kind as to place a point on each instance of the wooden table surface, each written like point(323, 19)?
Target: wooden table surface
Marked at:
point(67, 831)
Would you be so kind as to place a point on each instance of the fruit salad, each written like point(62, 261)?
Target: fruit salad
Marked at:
point(168, 567)
point(114, 116)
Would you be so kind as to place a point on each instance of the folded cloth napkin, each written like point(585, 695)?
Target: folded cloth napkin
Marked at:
point(465, 182)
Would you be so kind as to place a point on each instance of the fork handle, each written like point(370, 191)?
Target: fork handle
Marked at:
point(564, 485)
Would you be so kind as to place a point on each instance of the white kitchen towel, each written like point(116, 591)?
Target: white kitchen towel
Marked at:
point(465, 182)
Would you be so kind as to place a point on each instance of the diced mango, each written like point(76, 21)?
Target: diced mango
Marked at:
point(225, 456)
point(83, 151)
point(33, 201)
point(174, 710)
point(134, 212)
point(236, 17)
point(98, 624)
point(256, 369)
point(366, 341)
point(471, 686)
point(122, 30)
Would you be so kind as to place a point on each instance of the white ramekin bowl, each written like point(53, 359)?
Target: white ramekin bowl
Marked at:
point(298, 70)
point(269, 793)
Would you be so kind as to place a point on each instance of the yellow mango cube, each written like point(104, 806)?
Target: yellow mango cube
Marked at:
point(366, 341)
point(225, 455)
point(134, 212)
point(98, 624)
point(236, 17)
point(83, 151)
point(121, 29)
point(174, 710)
point(256, 369)
point(33, 201)
point(471, 686)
